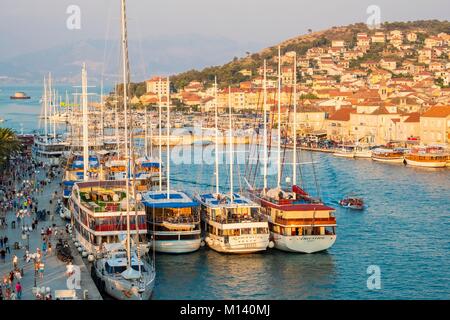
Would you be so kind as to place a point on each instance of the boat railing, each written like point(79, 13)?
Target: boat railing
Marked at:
point(179, 220)
point(240, 219)
point(306, 221)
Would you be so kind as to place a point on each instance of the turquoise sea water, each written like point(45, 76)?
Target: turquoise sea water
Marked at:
point(405, 231)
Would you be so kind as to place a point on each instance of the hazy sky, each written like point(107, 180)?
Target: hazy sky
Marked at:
point(29, 25)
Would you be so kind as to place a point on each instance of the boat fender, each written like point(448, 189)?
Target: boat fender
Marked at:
point(271, 244)
point(208, 240)
point(202, 243)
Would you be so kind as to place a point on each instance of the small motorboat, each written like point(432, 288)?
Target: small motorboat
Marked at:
point(352, 203)
point(20, 96)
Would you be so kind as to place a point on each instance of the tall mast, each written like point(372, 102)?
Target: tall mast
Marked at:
point(116, 119)
point(145, 132)
point(125, 78)
point(50, 96)
point(294, 155)
point(265, 129)
point(85, 122)
point(279, 119)
point(151, 136)
point(102, 115)
point(168, 138)
point(54, 113)
point(230, 137)
point(160, 134)
point(45, 110)
point(216, 153)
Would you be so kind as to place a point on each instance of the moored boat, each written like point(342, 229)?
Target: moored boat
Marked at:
point(345, 152)
point(427, 157)
point(388, 155)
point(172, 222)
point(232, 223)
point(362, 151)
point(352, 203)
point(20, 96)
point(121, 279)
point(98, 213)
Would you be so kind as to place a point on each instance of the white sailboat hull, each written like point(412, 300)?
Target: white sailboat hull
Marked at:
point(239, 244)
point(122, 289)
point(303, 244)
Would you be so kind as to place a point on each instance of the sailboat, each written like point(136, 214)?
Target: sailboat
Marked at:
point(232, 223)
point(297, 221)
point(119, 270)
point(48, 148)
point(173, 223)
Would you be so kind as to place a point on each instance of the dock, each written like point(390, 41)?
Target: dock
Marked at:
point(55, 275)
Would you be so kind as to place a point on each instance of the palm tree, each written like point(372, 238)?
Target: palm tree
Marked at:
point(9, 144)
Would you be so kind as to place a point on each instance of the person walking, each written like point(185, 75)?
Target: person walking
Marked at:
point(44, 247)
point(15, 261)
point(19, 290)
point(41, 270)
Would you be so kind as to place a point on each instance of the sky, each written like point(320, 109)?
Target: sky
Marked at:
point(30, 25)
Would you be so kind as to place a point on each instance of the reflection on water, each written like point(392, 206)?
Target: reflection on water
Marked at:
point(404, 230)
point(272, 275)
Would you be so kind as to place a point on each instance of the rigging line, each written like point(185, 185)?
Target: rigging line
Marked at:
point(286, 135)
point(316, 182)
point(256, 167)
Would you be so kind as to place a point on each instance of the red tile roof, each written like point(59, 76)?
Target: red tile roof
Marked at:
point(413, 117)
point(437, 112)
point(380, 110)
point(342, 114)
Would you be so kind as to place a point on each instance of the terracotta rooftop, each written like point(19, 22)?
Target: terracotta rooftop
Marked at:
point(413, 117)
point(342, 114)
point(380, 110)
point(437, 112)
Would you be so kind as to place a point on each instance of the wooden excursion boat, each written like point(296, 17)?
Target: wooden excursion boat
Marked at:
point(427, 157)
point(388, 155)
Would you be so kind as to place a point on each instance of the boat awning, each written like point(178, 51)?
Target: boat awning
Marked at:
point(150, 164)
point(176, 199)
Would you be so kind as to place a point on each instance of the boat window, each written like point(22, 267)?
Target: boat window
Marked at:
point(136, 267)
point(246, 231)
point(114, 269)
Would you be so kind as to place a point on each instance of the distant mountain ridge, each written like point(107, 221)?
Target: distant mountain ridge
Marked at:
point(158, 55)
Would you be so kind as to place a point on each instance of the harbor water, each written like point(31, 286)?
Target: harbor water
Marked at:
point(404, 232)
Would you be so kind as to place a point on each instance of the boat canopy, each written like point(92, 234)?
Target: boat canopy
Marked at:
point(177, 199)
point(224, 201)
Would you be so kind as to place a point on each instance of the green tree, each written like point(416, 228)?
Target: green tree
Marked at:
point(9, 145)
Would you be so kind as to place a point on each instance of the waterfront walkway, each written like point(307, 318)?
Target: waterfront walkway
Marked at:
point(55, 276)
